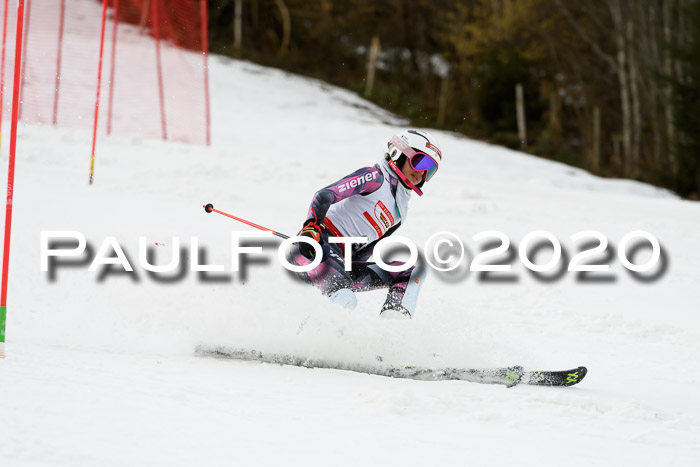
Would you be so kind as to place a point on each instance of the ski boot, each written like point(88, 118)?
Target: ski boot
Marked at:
point(392, 308)
point(344, 298)
point(401, 300)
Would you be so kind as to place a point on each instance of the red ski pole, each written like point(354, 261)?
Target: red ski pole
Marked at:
point(210, 208)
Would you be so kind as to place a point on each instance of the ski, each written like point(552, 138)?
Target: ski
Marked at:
point(508, 376)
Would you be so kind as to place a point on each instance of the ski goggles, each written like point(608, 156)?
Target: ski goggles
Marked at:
point(420, 161)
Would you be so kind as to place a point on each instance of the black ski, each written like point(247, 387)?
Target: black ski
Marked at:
point(508, 376)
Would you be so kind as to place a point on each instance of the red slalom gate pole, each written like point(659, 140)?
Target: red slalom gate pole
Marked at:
point(210, 208)
point(58, 61)
point(111, 72)
point(99, 83)
point(2, 68)
point(11, 175)
point(205, 53)
point(24, 56)
point(161, 94)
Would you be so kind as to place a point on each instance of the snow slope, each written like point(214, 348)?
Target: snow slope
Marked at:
point(101, 370)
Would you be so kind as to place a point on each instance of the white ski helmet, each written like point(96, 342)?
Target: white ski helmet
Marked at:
point(420, 149)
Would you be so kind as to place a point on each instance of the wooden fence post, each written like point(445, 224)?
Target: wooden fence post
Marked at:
point(442, 102)
point(520, 111)
point(238, 27)
point(286, 27)
point(371, 65)
point(596, 138)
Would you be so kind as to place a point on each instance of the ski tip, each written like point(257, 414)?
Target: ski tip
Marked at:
point(575, 376)
point(555, 378)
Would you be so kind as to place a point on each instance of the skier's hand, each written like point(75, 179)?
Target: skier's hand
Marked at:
point(312, 230)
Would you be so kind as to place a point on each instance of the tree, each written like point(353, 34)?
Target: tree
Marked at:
point(686, 96)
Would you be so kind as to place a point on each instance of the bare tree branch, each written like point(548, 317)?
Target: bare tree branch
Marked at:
point(594, 45)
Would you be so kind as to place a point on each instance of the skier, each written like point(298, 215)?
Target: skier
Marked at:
point(371, 202)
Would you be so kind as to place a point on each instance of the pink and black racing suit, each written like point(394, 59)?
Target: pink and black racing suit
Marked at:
point(370, 202)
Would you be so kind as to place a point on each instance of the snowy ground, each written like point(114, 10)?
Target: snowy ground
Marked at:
point(103, 372)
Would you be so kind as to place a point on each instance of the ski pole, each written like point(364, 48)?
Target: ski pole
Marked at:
point(210, 208)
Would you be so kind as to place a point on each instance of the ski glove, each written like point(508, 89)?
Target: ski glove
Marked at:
point(312, 230)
